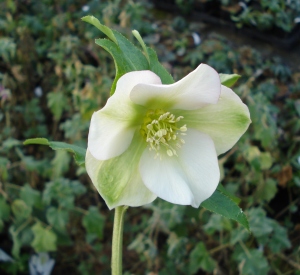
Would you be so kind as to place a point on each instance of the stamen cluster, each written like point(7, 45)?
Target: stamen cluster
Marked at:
point(160, 130)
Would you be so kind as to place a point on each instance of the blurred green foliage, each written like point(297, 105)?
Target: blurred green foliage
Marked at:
point(53, 77)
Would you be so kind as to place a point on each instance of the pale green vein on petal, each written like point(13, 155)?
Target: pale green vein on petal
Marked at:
point(118, 180)
point(225, 121)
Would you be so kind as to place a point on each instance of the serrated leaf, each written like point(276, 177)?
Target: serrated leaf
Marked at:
point(223, 205)
point(200, 259)
point(30, 196)
point(95, 22)
point(60, 164)
point(266, 190)
point(229, 80)
point(267, 231)
point(238, 234)
point(279, 240)
point(127, 57)
point(261, 226)
point(157, 68)
point(217, 223)
point(20, 209)
point(44, 239)
point(228, 194)
point(78, 152)
point(59, 190)
point(57, 102)
point(58, 218)
point(266, 160)
point(254, 262)
point(93, 222)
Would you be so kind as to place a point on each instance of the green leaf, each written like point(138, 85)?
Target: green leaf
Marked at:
point(4, 210)
point(157, 68)
point(57, 102)
point(228, 194)
point(44, 239)
point(217, 223)
point(279, 240)
point(225, 206)
point(238, 234)
point(93, 222)
point(30, 196)
point(20, 209)
point(266, 190)
point(266, 160)
point(78, 152)
point(200, 259)
point(95, 22)
point(260, 225)
point(59, 190)
point(58, 218)
point(60, 164)
point(229, 80)
point(142, 43)
point(77, 188)
point(254, 262)
point(10, 142)
point(267, 231)
point(128, 57)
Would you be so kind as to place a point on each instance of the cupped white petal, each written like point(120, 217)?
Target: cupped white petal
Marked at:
point(118, 180)
point(112, 128)
point(199, 88)
point(165, 178)
point(225, 122)
point(126, 82)
point(188, 179)
point(199, 160)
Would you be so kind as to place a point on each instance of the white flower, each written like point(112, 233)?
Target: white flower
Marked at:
point(153, 140)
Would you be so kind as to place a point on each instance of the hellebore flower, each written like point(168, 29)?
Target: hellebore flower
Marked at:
point(153, 140)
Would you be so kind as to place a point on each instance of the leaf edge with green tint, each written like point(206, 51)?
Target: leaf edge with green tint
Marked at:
point(229, 80)
point(220, 203)
point(78, 152)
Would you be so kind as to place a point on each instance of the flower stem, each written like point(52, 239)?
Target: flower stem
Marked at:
point(117, 241)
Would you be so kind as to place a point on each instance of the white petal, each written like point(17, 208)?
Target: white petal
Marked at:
point(126, 82)
point(165, 178)
point(118, 179)
point(188, 179)
point(199, 88)
point(225, 122)
point(108, 136)
point(112, 128)
point(199, 160)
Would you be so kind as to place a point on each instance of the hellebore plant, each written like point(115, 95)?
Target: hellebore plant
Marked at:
point(152, 140)
point(156, 138)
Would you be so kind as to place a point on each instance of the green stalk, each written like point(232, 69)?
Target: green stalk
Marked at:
point(117, 241)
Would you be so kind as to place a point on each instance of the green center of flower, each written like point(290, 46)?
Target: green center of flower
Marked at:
point(161, 131)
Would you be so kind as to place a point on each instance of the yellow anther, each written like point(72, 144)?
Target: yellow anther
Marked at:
point(160, 131)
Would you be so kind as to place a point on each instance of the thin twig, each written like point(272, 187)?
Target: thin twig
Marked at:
point(291, 262)
point(216, 249)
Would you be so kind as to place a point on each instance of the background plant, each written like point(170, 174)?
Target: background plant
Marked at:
point(53, 77)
